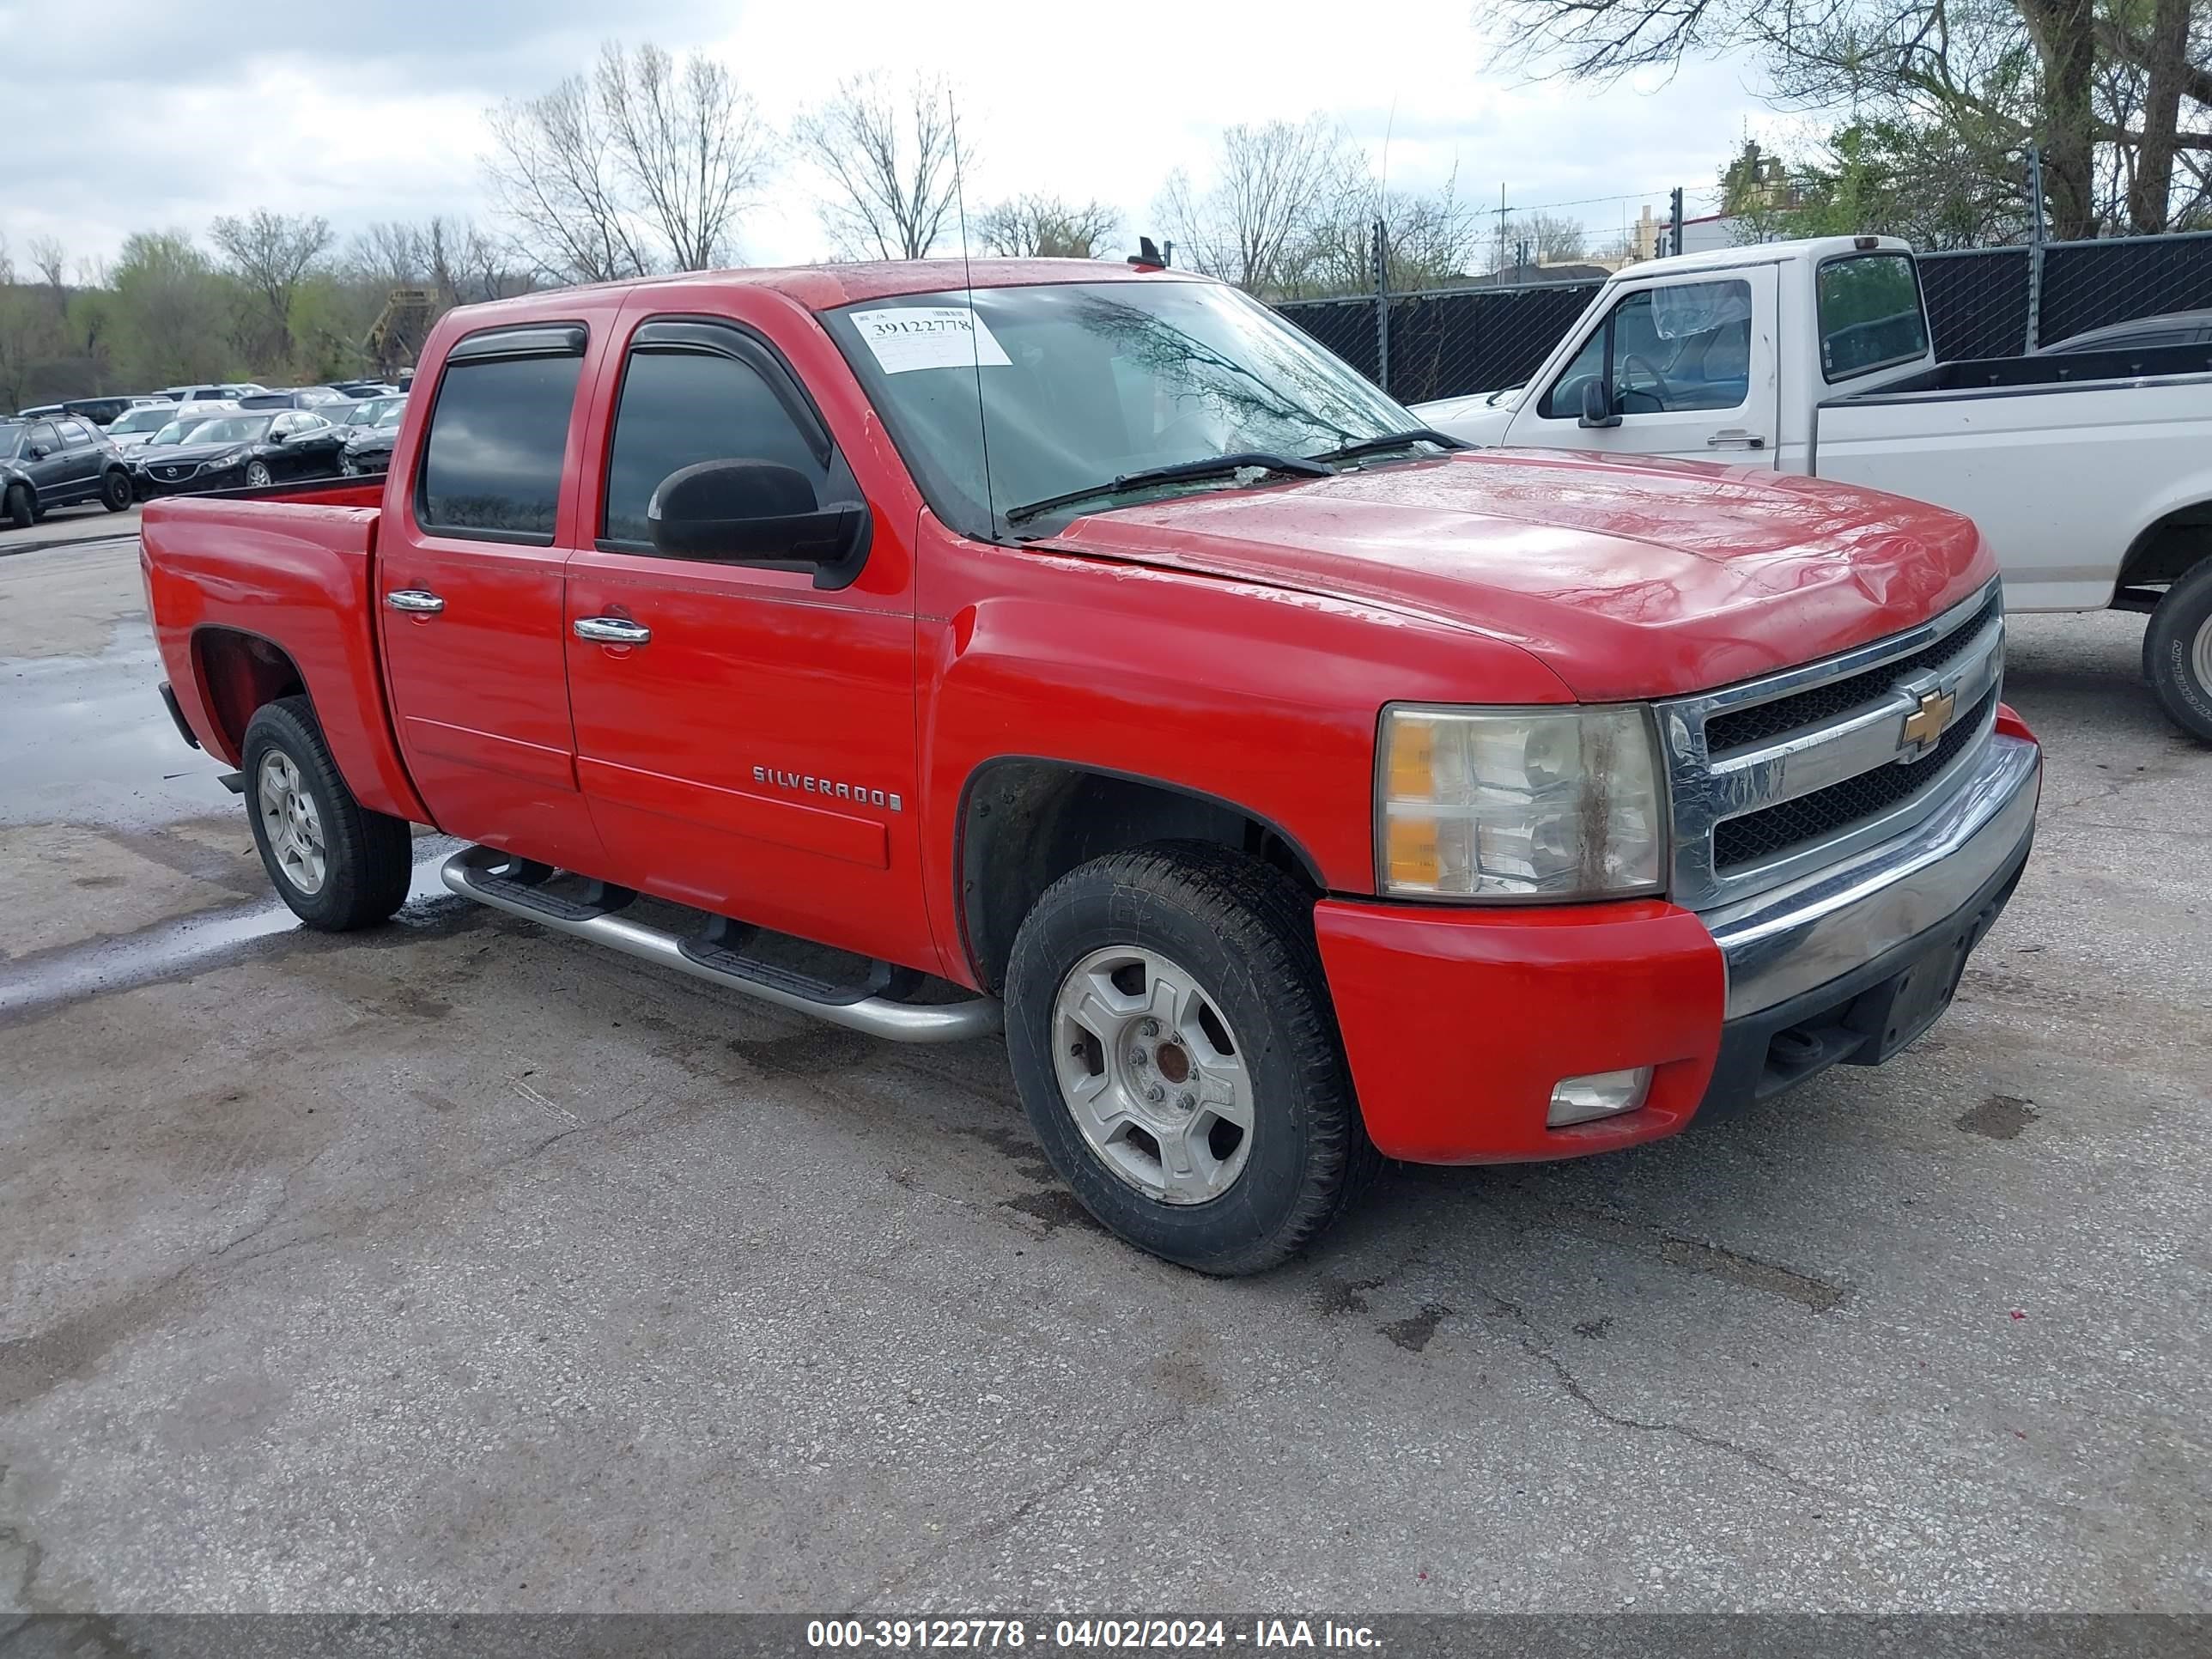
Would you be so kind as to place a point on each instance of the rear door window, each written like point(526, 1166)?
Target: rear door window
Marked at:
point(498, 430)
point(1870, 314)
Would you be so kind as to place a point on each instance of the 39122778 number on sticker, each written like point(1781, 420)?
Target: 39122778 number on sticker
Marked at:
point(907, 337)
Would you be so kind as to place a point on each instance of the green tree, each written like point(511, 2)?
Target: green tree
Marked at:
point(170, 308)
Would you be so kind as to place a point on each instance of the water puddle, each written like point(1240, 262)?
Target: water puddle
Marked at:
point(192, 945)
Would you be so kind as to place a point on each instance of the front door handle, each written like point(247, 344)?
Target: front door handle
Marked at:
point(612, 630)
point(1735, 437)
point(419, 600)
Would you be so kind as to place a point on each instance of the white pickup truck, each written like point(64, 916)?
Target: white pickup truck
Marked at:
point(2090, 473)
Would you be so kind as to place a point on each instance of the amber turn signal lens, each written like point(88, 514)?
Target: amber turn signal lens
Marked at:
point(1415, 860)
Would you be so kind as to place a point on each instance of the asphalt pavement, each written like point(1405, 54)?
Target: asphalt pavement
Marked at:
point(461, 1266)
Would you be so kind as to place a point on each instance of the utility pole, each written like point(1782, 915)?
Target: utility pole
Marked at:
point(1674, 220)
point(1501, 225)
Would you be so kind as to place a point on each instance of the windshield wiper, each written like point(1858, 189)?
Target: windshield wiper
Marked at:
point(1405, 440)
point(1209, 466)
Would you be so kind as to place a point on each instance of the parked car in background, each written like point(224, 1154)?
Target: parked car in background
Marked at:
point(299, 397)
point(135, 428)
point(365, 388)
point(2143, 333)
point(228, 393)
point(243, 450)
point(367, 446)
point(48, 463)
point(2088, 470)
point(98, 410)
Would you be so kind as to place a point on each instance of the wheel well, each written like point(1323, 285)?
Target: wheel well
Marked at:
point(2169, 548)
point(238, 673)
point(1026, 823)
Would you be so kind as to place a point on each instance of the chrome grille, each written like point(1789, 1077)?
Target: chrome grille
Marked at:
point(1778, 775)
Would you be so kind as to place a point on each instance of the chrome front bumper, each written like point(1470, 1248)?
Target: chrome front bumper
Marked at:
point(1797, 938)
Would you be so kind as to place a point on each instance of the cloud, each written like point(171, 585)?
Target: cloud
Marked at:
point(368, 111)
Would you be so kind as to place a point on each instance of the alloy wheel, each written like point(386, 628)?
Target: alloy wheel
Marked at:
point(1152, 1074)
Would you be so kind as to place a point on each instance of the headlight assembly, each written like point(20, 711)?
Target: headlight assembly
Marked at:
point(1526, 804)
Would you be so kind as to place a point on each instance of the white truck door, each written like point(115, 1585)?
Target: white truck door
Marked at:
point(1685, 366)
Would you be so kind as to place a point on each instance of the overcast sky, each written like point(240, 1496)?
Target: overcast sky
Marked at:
point(131, 115)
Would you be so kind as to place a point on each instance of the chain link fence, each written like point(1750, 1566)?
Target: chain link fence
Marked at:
point(1452, 342)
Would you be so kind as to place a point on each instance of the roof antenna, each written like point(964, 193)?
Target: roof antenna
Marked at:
point(974, 346)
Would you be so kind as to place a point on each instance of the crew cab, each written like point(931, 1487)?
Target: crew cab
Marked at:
point(2090, 471)
point(1081, 652)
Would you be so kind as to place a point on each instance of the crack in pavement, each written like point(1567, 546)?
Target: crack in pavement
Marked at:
point(1535, 1348)
point(1143, 1429)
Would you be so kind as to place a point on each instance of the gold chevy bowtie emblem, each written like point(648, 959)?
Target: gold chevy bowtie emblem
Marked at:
point(1925, 724)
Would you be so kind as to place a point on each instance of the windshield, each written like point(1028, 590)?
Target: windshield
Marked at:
point(11, 439)
point(1085, 382)
point(390, 413)
point(221, 430)
point(143, 419)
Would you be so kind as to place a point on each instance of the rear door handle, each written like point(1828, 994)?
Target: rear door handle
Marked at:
point(612, 630)
point(420, 600)
point(1735, 437)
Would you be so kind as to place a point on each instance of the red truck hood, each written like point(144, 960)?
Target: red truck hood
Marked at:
point(1630, 578)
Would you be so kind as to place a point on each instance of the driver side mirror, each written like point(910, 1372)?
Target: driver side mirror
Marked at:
point(1597, 404)
point(39, 452)
point(758, 513)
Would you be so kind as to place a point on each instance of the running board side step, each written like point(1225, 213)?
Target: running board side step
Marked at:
point(478, 872)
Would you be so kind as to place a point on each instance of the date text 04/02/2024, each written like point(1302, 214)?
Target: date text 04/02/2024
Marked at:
point(1167, 1634)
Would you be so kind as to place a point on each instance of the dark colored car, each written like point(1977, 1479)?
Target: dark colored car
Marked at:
point(247, 449)
point(365, 388)
point(2143, 333)
point(368, 448)
point(47, 463)
point(101, 411)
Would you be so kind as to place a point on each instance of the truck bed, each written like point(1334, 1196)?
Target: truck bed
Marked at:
point(2131, 364)
point(229, 573)
point(2063, 461)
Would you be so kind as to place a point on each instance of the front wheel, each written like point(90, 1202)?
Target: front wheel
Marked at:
point(17, 506)
point(258, 476)
point(348, 468)
point(2177, 652)
point(115, 490)
point(338, 865)
point(1176, 1051)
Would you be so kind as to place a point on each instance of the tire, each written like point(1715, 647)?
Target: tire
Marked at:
point(18, 505)
point(258, 476)
point(1240, 936)
point(339, 866)
point(115, 489)
point(347, 468)
point(2177, 652)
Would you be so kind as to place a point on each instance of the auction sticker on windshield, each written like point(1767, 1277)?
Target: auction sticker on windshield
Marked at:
point(929, 337)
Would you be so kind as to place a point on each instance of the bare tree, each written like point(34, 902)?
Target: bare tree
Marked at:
point(51, 260)
point(1040, 226)
point(886, 166)
point(554, 178)
point(689, 142)
point(269, 253)
point(1271, 185)
point(1430, 237)
point(483, 268)
point(388, 254)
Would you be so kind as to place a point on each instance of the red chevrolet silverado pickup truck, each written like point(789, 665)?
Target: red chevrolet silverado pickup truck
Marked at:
point(1083, 649)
